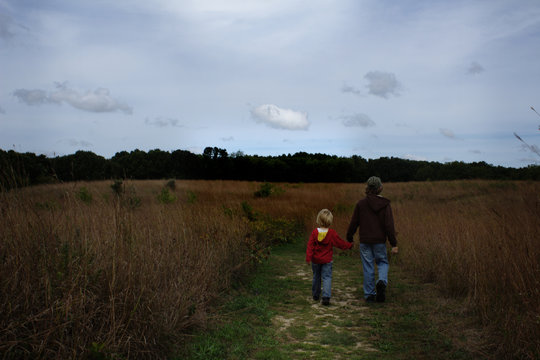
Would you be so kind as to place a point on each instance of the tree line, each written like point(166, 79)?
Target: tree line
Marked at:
point(21, 169)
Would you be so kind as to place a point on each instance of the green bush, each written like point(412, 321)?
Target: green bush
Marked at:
point(171, 184)
point(84, 195)
point(133, 202)
point(118, 187)
point(227, 211)
point(248, 211)
point(266, 189)
point(275, 231)
point(165, 197)
point(191, 197)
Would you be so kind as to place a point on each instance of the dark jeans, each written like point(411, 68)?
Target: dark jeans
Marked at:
point(322, 273)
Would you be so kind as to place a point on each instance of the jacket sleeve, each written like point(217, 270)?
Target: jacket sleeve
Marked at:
point(353, 225)
point(340, 243)
point(389, 226)
point(310, 245)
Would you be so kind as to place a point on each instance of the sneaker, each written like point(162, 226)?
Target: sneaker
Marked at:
point(370, 299)
point(326, 301)
point(381, 291)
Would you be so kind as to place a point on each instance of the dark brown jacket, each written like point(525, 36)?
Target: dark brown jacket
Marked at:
point(373, 217)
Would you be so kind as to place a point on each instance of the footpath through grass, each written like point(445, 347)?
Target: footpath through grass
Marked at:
point(273, 316)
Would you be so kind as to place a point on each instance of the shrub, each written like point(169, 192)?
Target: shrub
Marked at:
point(266, 189)
point(118, 187)
point(191, 197)
point(165, 197)
point(84, 195)
point(248, 211)
point(132, 201)
point(227, 211)
point(171, 184)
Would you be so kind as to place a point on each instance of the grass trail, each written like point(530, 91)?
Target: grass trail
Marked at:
point(273, 316)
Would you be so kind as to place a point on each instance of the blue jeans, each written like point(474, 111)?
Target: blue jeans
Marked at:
point(373, 254)
point(322, 273)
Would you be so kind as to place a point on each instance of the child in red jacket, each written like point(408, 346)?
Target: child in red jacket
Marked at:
point(319, 252)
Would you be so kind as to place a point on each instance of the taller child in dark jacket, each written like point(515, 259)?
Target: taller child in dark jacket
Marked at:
point(373, 217)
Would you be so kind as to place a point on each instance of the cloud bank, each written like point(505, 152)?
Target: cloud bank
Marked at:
point(278, 118)
point(379, 83)
point(350, 89)
point(162, 122)
point(382, 84)
point(98, 100)
point(357, 120)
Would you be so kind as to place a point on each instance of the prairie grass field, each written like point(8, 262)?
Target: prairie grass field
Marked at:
point(128, 269)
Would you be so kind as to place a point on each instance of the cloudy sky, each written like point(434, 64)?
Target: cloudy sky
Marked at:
point(432, 80)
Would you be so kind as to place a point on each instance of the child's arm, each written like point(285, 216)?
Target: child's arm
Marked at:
point(340, 243)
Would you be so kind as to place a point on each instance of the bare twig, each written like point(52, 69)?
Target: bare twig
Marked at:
point(533, 109)
point(533, 148)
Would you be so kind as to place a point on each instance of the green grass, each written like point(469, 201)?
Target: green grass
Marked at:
point(272, 316)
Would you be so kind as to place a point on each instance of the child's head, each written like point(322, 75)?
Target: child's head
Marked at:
point(374, 186)
point(324, 218)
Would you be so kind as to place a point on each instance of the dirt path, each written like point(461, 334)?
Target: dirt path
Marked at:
point(311, 327)
point(414, 323)
point(273, 316)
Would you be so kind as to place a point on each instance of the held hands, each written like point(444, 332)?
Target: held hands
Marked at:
point(395, 250)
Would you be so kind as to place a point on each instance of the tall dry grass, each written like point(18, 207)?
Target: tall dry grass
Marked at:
point(111, 275)
point(130, 276)
point(479, 240)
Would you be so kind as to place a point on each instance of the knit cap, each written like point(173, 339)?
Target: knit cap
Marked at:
point(374, 183)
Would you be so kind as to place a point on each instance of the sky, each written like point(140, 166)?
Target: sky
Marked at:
point(432, 80)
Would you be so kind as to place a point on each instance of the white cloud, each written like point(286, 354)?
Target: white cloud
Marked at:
point(382, 84)
point(98, 100)
point(278, 118)
point(357, 120)
point(448, 133)
point(2, 111)
point(475, 68)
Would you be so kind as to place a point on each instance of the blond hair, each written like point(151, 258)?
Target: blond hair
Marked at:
point(324, 218)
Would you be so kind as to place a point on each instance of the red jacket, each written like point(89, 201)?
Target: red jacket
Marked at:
point(320, 252)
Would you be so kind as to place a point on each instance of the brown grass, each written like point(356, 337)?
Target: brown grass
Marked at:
point(128, 280)
point(479, 240)
point(131, 275)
